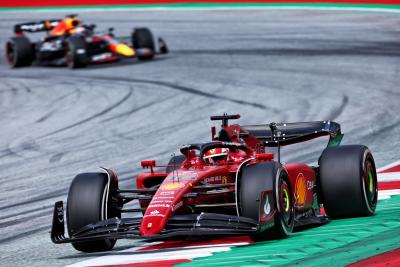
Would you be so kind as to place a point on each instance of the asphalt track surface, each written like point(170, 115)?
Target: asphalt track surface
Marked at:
point(267, 65)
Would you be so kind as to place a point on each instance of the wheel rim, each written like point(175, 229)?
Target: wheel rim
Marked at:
point(285, 202)
point(10, 53)
point(370, 183)
point(68, 55)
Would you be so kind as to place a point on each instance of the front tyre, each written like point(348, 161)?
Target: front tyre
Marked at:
point(75, 52)
point(266, 176)
point(142, 38)
point(90, 201)
point(348, 181)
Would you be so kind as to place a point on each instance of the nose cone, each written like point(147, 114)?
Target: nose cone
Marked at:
point(162, 206)
point(167, 199)
point(153, 223)
point(124, 50)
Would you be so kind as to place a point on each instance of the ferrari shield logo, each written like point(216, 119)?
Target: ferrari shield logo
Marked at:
point(172, 186)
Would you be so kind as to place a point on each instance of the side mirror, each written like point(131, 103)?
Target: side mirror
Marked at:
point(148, 164)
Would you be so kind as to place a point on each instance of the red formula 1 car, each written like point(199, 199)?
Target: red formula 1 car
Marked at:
point(69, 42)
point(225, 187)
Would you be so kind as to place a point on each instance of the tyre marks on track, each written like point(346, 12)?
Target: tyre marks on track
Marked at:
point(335, 113)
point(39, 198)
point(58, 104)
point(316, 47)
point(97, 115)
point(26, 233)
point(136, 109)
point(186, 89)
point(170, 85)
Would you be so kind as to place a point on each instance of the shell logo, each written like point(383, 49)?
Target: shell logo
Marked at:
point(301, 190)
point(172, 186)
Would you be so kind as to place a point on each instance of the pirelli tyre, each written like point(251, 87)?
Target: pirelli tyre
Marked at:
point(91, 198)
point(348, 181)
point(267, 176)
point(142, 38)
point(19, 51)
point(75, 52)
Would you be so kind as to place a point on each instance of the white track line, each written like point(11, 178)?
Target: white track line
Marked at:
point(391, 165)
point(385, 194)
point(149, 257)
point(388, 177)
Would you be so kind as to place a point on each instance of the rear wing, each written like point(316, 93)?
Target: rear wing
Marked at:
point(282, 134)
point(36, 26)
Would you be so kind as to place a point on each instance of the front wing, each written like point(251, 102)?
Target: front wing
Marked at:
point(204, 224)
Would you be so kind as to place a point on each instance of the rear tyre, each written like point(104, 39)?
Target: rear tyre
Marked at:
point(143, 38)
point(19, 52)
point(175, 163)
point(75, 52)
point(260, 177)
point(348, 181)
point(90, 200)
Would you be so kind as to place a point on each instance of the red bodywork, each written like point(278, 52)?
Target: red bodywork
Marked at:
point(228, 186)
point(169, 198)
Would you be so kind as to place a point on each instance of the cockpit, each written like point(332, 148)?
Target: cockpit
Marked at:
point(216, 153)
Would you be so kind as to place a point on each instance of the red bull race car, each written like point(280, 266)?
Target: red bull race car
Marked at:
point(69, 42)
point(232, 185)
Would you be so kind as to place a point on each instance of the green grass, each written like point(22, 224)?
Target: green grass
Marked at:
point(338, 243)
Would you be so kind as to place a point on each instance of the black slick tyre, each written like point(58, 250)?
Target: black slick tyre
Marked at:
point(19, 52)
point(265, 176)
point(143, 38)
point(348, 181)
point(89, 201)
point(75, 52)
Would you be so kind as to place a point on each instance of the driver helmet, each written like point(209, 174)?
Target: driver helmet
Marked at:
point(72, 24)
point(216, 155)
point(67, 25)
